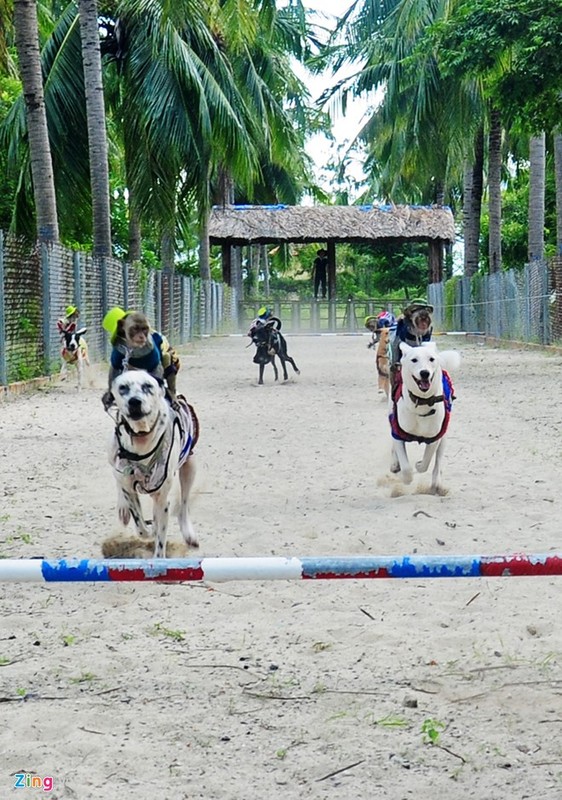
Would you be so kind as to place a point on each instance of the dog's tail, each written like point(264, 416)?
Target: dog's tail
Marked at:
point(450, 360)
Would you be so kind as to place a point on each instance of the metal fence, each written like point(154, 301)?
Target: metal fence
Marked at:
point(37, 283)
point(522, 305)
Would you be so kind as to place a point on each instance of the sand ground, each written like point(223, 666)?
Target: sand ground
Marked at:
point(247, 691)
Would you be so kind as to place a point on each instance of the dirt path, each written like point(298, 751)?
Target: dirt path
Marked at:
point(244, 691)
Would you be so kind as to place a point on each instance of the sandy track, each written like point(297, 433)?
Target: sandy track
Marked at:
point(245, 691)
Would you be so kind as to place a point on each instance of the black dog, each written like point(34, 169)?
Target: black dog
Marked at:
point(270, 342)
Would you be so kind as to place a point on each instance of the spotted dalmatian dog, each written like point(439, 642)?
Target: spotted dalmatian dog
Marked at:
point(151, 444)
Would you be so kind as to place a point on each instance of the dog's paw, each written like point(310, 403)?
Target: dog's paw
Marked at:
point(395, 467)
point(124, 515)
point(421, 467)
point(407, 476)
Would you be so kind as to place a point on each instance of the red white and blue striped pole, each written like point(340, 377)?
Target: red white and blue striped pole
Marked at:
point(179, 570)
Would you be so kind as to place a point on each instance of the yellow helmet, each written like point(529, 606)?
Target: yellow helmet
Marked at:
point(112, 318)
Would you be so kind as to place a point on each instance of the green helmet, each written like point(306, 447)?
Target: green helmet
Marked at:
point(418, 305)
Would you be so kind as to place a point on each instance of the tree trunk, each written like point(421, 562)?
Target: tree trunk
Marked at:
point(27, 44)
point(472, 206)
point(435, 261)
point(97, 133)
point(537, 177)
point(494, 191)
point(226, 262)
point(167, 255)
point(135, 238)
point(558, 179)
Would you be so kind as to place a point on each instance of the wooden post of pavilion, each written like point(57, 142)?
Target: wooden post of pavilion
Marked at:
point(226, 262)
point(435, 259)
point(331, 248)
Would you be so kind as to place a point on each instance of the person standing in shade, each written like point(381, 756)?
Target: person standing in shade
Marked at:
point(319, 272)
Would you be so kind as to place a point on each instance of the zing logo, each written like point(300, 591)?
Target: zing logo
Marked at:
point(26, 781)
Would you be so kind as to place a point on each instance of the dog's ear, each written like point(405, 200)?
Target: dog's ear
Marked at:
point(108, 400)
point(81, 331)
point(161, 384)
point(405, 348)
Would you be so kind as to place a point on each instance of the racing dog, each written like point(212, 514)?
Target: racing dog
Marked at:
point(270, 342)
point(420, 408)
point(382, 360)
point(151, 443)
point(74, 352)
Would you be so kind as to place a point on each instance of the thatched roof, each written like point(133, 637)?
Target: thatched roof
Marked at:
point(269, 224)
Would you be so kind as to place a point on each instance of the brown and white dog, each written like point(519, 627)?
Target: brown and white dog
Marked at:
point(420, 407)
point(383, 361)
point(151, 444)
point(74, 352)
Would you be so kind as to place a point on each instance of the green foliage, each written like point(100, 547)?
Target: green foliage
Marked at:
point(516, 45)
point(431, 730)
point(362, 271)
point(9, 90)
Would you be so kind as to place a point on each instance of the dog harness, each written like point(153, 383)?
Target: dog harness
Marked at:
point(446, 398)
point(150, 470)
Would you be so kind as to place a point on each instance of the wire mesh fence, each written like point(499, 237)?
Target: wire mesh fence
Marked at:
point(38, 282)
point(521, 305)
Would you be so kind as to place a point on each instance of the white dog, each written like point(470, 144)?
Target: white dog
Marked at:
point(420, 407)
point(151, 443)
point(74, 352)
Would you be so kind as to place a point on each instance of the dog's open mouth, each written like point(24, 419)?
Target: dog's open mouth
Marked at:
point(136, 413)
point(139, 426)
point(424, 384)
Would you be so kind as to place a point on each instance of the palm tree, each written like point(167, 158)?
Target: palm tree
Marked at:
point(537, 178)
point(424, 127)
point(472, 204)
point(27, 44)
point(97, 136)
point(558, 175)
point(494, 191)
point(180, 103)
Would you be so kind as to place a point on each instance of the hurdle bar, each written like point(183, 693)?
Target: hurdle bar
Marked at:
point(218, 570)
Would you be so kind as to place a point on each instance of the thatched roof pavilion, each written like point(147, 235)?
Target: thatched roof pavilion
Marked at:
point(235, 226)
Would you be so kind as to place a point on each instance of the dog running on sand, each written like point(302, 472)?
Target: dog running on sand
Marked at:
point(420, 408)
point(151, 444)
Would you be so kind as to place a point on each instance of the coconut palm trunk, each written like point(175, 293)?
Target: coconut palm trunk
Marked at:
point(27, 44)
point(97, 133)
point(472, 206)
point(494, 191)
point(537, 177)
point(558, 179)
